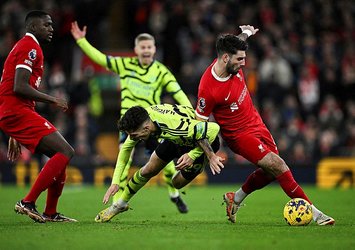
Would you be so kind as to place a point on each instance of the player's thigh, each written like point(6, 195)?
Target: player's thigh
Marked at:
point(53, 143)
point(250, 146)
point(28, 128)
point(153, 166)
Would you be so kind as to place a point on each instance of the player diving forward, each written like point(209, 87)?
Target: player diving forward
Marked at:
point(142, 80)
point(183, 136)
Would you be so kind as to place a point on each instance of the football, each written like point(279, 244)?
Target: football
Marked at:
point(298, 212)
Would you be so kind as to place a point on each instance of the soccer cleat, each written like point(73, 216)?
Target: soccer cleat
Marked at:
point(181, 206)
point(324, 220)
point(108, 213)
point(231, 206)
point(29, 208)
point(57, 217)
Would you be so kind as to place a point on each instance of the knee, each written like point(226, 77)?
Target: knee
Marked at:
point(147, 172)
point(273, 164)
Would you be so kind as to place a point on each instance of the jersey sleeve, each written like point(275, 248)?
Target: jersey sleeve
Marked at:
point(203, 130)
point(173, 88)
point(122, 159)
point(26, 56)
point(97, 56)
point(205, 103)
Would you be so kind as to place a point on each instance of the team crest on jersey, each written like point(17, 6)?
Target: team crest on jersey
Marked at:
point(201, 104)
point(234, 106)
point(32, 54)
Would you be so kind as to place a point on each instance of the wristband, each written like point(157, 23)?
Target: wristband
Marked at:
point(247, 32)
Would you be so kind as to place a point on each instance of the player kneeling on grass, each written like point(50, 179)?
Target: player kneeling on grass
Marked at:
point(192, 141)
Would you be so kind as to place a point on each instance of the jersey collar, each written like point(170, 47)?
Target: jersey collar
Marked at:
point(221, 79)
point(33, 37)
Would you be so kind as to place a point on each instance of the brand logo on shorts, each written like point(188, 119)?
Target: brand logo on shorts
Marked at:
point(261, 148)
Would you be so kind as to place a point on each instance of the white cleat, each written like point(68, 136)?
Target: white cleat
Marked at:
point(324, 220)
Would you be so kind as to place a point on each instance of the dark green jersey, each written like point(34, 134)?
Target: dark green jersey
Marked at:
point(140, 85)
point(175, 123)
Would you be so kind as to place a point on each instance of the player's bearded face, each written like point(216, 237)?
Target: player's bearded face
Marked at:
point(235, 62)
point(145, 51)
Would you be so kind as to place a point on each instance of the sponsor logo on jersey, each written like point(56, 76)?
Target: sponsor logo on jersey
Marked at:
point(201, 104)
point(32, 54)
point(28, 62)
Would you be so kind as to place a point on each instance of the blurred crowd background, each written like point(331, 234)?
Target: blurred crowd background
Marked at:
point(300, 66)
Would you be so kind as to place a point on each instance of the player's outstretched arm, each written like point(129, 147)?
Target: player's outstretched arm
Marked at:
point(76, 32)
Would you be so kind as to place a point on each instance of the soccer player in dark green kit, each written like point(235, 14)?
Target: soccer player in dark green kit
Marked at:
point(142, 80)
point(193, 142)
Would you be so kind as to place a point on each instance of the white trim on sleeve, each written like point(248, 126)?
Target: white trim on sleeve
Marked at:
point(201, 116)
point(24, 67)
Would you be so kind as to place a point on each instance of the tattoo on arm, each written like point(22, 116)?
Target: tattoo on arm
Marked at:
point(206, 147)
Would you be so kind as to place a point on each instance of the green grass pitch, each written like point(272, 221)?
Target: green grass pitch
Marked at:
point(154, 222)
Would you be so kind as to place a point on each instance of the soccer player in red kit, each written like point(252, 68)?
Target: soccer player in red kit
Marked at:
point(223, 93)
point(21, 78)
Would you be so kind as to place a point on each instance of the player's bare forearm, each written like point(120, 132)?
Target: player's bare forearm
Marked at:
point(216, 164)
point(206, 147)
point(23, 89)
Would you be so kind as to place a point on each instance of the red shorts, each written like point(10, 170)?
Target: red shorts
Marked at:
point(252, 145)
point(28, 128)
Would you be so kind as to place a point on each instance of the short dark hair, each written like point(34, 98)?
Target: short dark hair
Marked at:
point(133, 119)
point(228, 43)
point(35, 14)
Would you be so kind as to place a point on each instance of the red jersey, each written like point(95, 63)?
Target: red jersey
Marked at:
point(229, 101)
point(26, 54)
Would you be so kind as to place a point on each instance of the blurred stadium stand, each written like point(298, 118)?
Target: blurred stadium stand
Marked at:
point(300, 68)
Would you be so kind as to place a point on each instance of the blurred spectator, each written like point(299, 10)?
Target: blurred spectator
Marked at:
point(300, 70)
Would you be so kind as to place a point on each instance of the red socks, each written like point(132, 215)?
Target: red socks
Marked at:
point(51, 171)
point(257, 180)
point(291, 187)
point(53, 194)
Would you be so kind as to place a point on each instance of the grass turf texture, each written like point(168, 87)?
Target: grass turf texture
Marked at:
point(154, 222)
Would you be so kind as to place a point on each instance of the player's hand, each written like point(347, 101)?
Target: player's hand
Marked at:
point(76, 31)
point(14, 149)
point(216, 164)
point(250, 28)
point(61, 103)
point(111, 191)
point(183, 162)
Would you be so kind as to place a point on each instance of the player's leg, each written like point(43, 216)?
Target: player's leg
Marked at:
point(139, 179)
point(42, 137)
point(60, 153)
point(168, 172)
point(263, 152)
point(251, 148)
point(50, 213)
point(275, 165)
